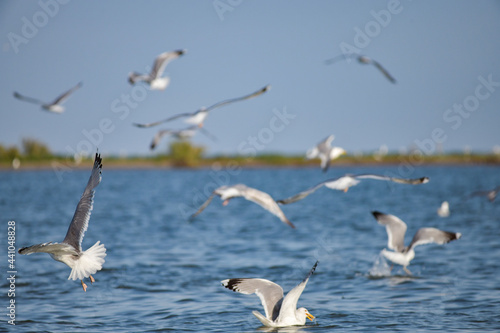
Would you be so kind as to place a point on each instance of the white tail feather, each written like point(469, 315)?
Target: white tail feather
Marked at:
point(90, 261)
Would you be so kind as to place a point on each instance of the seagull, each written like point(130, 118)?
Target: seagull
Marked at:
point(343, 183)
point(263, 199)
point(55, 106)
point(182, 134)
point(396, 230)
point(490, 194)
point(444, 209)
point(280, 312)
point(154, 79)
point(198, 117)
point(325, 152)
point(82, 263)
point(362, 60)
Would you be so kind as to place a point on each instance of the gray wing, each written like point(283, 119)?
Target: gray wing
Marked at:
point(337, 59)
point(267, 202)
point(415, 181)
point(52, 248)
point(433, 235)
point(301, 195)
point(270, 293)
point(229, 101)
point(395, 228)
point(202, 207)
point(289, 305)
point(64, 96)
point(326, 145)
point(28, 99)
point(384, 71)
point(180, 115)
point(158, 136)
point(207, 133)
point(80, 220)
point(162, 60)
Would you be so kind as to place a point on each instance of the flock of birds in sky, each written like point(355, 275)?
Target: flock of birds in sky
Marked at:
point(279, 310)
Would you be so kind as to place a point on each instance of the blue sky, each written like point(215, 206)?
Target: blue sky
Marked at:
point(444, 55)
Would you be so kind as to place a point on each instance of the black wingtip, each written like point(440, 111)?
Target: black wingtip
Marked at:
point(232, 284)
point(98, 160)
point(377, 214)
point(424, 180)
point(21, 250)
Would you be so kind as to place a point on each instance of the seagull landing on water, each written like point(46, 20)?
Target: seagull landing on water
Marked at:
point(198, 117)
point(362, 60)
point(55, 106)
point(82, 263)
point(325, 152)
point(280, 312)
point(343, 183)
point(263, 199)
point(396, 230)
point(154, 79)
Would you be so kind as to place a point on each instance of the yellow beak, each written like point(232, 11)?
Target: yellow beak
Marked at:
point(310, 316)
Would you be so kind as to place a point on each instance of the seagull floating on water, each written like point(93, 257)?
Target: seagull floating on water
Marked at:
point(82, 263)
point(154, 79)
point(343, 183)
point(396, 230)
point(54, 106)
point(325, 152)
point(444, 209)
point(263, 199)
point(362, 59)
point(198, 117)
point(280, 312)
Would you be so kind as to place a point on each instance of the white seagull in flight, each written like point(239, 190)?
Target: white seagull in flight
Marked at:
point(343, 183)
point(263, 199)
point(82, 263)
point(396, 229)
point(181, 134)
point(280, 311)
point(362, 60)
point(154, 79)
point(325, 152)
point(54, 106)
point(198, 117)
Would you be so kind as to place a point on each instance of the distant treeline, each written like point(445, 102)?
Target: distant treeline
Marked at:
point(30, 148)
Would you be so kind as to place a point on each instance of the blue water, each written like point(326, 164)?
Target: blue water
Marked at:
point(163, 273)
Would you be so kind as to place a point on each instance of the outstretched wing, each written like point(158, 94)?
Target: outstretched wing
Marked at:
point(300, 195)
point(270, 293)
point(267, 202)
point(433, 235)
point(415, 181)
point(229, 101)
point(162, 60)
point(395, 228)
point(28, 99)
point(158, 136)
point(289, 305)
point(52, 248)
point(202, 207)
point(384, 71)
point(64, 96)
point(80, 221)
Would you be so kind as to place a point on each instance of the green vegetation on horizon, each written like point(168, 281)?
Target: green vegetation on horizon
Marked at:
point(182, 154)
